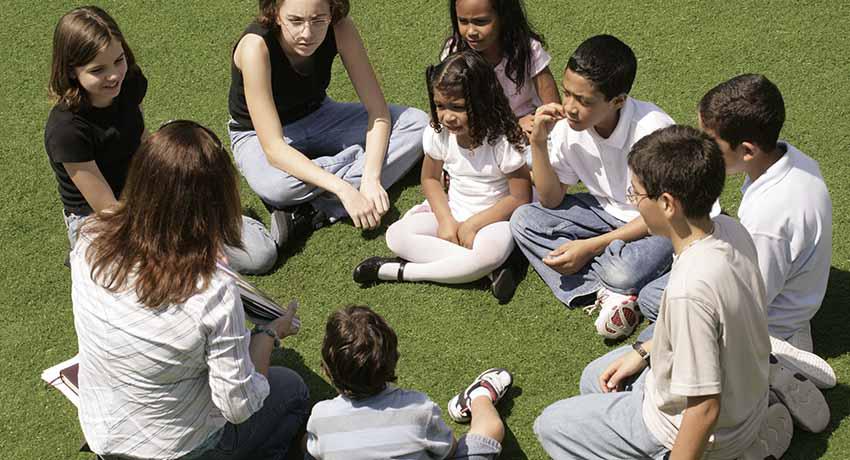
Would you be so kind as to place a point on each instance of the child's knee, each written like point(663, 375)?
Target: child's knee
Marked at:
point(408, 118)
point(521, 218)
point(552, 425)
point(395, 236)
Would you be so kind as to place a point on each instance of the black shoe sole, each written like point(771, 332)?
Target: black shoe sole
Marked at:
point(504, 285)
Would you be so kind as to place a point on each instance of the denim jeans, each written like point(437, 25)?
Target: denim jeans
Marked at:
point(598, 425)
point(268, 434)
point(334, 137)
point(257, 256)
point(73, 222)
point(623, 267)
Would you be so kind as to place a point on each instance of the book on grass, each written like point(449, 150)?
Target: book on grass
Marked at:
point(63, 377)
point(259, 307)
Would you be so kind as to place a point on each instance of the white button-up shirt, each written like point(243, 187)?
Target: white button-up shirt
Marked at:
point(156, 383)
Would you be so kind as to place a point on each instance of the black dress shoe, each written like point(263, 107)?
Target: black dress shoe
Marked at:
point(367, 271)
point(504, 284)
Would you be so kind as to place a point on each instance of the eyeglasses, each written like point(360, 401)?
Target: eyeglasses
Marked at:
point(194, 125)
point(298, 25)
point(633, 197)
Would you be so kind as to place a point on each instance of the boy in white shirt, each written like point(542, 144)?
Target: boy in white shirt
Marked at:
point(592, 246)
point(786, 208)
point(706, 394)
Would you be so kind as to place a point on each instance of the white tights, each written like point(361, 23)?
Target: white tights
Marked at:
point(414, 238)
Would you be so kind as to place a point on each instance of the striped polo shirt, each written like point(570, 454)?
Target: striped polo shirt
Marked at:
point(395, 423)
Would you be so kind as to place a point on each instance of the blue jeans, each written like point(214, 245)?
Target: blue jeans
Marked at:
point(649, 302)
point(268, 434)
point(598, 425)
point(334, 137)
point(623, 267)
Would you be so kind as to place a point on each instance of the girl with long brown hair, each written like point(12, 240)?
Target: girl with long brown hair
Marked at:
point(167, 366)
point(97, 124)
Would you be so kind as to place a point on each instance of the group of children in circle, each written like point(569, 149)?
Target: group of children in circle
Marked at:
point(497, 119)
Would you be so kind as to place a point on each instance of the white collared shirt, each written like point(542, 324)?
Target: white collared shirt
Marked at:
point(156, 383)
point(601, 164)
point(788, 212)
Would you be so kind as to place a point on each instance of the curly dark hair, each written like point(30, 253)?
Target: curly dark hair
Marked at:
point(269, 9)
point(467, 74)
point(515, 35)
point(359, 352)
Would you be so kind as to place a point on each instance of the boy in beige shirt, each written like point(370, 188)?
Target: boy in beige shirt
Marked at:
point(706, 394)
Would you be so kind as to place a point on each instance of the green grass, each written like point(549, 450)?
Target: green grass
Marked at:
point(447, 335)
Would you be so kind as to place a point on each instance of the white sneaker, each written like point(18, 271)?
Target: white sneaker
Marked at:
point(618, 314)
point(804, 401)
point(497, 381)
point(809, 364)
point(774, 436)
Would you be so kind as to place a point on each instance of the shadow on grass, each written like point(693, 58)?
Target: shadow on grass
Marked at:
point(829, 326)
point(510, 446)
point(319, 388)
point(805, 446)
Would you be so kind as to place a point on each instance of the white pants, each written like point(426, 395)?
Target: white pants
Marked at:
point(414, 238)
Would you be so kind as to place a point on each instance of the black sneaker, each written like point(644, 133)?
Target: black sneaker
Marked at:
point(295, 222)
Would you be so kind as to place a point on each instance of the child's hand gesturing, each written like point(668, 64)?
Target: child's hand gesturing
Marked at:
point(545, 118)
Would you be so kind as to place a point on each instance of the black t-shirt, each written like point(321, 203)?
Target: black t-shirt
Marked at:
point(295, 95)
point(109, 136)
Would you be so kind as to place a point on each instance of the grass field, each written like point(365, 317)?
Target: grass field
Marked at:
point(447, 334)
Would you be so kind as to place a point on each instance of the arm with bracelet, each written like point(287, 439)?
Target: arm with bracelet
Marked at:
point(628, 365)
point(265, 338)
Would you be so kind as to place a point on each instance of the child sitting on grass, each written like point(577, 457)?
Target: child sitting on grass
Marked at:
point(374, 419)
point(706, 393)
point(786, 208)
point(592, 246)
point(464, 235)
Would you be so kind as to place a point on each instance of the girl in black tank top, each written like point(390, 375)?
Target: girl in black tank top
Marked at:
point(293, 143)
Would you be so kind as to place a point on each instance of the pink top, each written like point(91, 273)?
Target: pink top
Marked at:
point(523, 100)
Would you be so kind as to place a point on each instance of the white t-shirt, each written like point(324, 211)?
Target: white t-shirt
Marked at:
point(711, 338)
point(523, 100)
point(601, 164)
point(788, 212)
point(479, 176)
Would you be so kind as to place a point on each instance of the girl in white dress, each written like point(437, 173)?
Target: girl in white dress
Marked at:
point(462, 235)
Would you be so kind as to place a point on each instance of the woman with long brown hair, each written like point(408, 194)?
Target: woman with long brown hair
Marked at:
point(167, 366)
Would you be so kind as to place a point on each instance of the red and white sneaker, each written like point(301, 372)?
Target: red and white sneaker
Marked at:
point(496, 381)
point(618, 314)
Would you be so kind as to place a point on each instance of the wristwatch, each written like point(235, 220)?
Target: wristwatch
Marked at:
point(259, 329)
point(638, 347)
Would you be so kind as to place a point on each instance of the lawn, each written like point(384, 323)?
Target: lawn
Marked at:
point(447, 334)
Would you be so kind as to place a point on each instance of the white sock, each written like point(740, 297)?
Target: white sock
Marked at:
point(388, 271)
point(478, 392)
